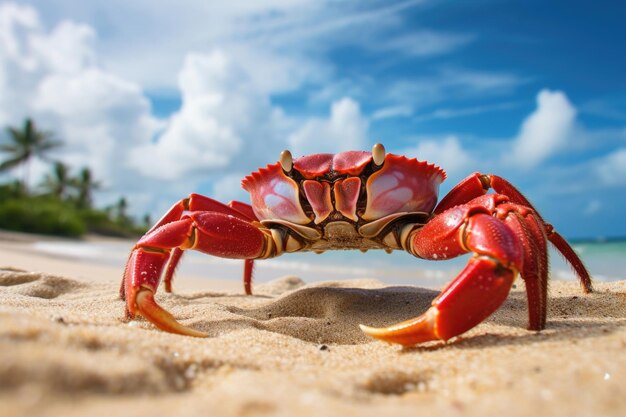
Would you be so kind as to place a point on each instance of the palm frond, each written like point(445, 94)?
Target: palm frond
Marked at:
point(9, 148)
point(11, 163)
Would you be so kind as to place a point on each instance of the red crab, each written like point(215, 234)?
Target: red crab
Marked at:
point(363, 200)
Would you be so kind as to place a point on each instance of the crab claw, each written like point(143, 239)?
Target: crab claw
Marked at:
point(478, 291)
point(409, 332)
point(154, 313)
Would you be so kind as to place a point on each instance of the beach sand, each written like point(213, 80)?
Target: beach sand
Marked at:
point(293, 349)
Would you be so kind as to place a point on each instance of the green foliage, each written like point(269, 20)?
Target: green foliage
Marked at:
point(41, 215)
point(58, 181)
point(100, 222)
point(85, 186)
point(15, 189)
point(50, 215)
point(65, 207)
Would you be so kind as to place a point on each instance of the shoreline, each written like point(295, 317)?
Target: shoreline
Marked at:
point(16, 251)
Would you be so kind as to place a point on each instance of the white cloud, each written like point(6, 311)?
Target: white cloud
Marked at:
point(449, 113)
point(17, 66)
point(345, 129)
point(226, 121)
point(446, 152)
point(69, 48)
point(392, 112)
point(283, 41)
point(449, 83)
point(424, 43)
point(545, 131)
point(54, 77)
point(612, 168)
point(15, 45)
point(228, 187)
point(99, 116)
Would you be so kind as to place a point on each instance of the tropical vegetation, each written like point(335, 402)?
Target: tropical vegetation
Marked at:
point(62, 203)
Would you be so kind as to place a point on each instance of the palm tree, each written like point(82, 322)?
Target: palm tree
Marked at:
point(120, 211)
point(147, 221)
point(58, 181)
point(85, 185)
point(24, 144)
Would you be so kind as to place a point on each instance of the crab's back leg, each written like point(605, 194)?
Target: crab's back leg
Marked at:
point(530, 232)
point(248, 270)
point(248, 264)
point(175, 255)
point(477, 291)
point(478, 184)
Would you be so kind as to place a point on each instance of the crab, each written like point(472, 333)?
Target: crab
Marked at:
point(363, 200)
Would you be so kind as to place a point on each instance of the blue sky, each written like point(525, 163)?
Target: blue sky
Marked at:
point(166, 99)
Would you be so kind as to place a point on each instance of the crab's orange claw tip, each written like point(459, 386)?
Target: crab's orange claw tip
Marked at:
point(155, 314)
point(407, 333)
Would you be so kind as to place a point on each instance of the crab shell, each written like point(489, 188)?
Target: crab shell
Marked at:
point(345, 187)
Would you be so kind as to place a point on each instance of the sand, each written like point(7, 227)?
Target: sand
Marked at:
point(293, 349)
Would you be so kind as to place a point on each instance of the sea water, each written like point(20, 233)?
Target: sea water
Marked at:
point(606, 261)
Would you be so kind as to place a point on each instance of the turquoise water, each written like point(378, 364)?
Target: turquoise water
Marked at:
point(606, 261)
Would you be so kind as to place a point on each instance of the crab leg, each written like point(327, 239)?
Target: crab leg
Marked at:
point(197, 202)
point(478, 184)
point(477, 291)
point(214, 233)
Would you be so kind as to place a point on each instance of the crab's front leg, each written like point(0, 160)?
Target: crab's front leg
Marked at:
point(477, 291)
point(214, 233)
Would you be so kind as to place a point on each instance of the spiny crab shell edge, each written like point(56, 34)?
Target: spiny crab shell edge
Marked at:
point(401, 185)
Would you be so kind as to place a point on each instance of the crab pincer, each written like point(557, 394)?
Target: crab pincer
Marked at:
point(476, 292)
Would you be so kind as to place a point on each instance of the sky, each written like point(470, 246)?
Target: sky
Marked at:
point(166, 98)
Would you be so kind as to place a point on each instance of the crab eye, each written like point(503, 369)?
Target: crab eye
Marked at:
point(378, 154)
point(286, 160)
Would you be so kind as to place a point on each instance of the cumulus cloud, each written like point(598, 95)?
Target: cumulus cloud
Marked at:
point(446, 152)
point(17, 66)
point(284, 42)
point(68, 48)
point(196, 135)
point(225, 121)
point(345, 129)
point(228, 187)
point(545, 131)
point(13, 18)
point(99, 116)
point(612, 168)
point(54, 77)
